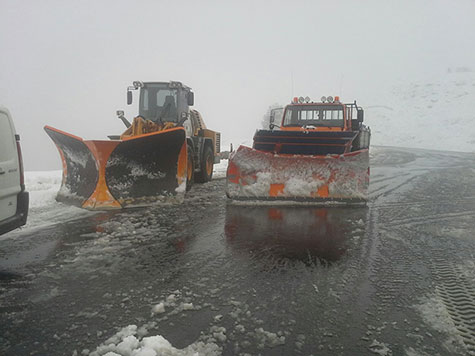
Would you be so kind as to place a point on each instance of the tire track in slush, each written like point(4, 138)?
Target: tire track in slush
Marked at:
point(458, 296)
point(428, 219)
point(388, 189)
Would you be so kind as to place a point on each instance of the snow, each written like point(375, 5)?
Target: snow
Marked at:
point(219, 170)
point(127, 343)
point(434, 312)
point(437, 114)
point(181, 188)
point(43, 187)
point(44, 210)
point(159, 308)
point(380, 348)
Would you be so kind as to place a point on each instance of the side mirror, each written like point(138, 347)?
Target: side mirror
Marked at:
point(191, 98)
point(129, 97)
point(360, 115)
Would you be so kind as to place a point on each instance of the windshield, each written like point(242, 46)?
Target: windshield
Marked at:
point(318, 115)
point(158, 103)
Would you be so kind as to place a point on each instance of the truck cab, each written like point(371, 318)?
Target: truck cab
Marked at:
point(328, 115)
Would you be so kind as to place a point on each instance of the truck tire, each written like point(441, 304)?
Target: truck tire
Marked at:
point(207, 162)
point(190, 168)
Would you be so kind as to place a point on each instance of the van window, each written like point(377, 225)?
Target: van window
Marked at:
point(7, 139)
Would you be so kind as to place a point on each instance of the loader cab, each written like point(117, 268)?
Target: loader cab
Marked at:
point(162, 102)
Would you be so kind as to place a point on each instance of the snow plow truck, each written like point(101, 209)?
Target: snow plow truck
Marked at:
point(156, 159)
point(318, 153)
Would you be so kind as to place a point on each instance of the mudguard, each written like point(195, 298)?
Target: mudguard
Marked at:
point(136, 171)
point(257, 175)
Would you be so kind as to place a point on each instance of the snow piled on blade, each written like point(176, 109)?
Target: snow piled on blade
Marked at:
point(253, 174)
point(127, 343)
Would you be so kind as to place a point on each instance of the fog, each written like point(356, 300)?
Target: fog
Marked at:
point(67, 64)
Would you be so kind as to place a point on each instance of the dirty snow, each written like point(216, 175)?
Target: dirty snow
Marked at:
point(127, 342)
point(435, 313)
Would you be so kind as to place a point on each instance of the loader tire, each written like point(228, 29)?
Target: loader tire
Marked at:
point(190, 168)
point(207, 163)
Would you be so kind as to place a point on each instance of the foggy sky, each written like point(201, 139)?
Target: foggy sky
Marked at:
point(68, 63)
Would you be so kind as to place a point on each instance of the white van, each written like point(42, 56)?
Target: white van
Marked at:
point(13, 197)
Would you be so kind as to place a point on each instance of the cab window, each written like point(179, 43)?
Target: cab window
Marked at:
point(314, 115)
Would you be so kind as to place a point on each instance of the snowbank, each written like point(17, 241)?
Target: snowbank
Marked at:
point(43, 187)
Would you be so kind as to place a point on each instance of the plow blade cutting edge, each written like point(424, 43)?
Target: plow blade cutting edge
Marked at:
point(258, 175)
point(136, 171)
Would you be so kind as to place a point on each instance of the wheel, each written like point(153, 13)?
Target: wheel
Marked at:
point(190, 168)
point(207, 162)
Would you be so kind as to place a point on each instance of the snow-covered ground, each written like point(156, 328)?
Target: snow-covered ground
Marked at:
point(437, 114)
point(42, 187)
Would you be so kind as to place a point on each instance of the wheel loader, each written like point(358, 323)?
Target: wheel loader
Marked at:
point(156, 159)
point(317, 153)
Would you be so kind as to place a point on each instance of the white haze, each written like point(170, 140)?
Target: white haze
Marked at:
point(67, 64)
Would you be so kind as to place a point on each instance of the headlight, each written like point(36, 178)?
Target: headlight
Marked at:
point(323, 99)
point(330, 99)
point(301, 100)
point(137, 84)
point(307, 99)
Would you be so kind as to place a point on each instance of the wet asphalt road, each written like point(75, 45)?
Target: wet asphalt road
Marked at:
point(396, 277)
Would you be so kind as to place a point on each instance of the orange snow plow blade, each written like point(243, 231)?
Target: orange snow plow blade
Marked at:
point(257, 175)
point(135, 171)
